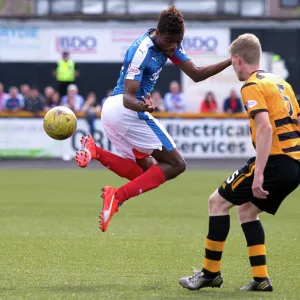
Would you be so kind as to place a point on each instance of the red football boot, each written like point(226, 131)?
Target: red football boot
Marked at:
point(110, 206)
point(86, 152)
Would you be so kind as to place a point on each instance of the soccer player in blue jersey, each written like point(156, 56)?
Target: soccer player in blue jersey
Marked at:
point(149, 154)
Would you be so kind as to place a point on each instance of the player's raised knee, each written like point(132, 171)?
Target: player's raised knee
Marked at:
point(180, 165)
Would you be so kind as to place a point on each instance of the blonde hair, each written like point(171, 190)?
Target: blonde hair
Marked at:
point(248, 47)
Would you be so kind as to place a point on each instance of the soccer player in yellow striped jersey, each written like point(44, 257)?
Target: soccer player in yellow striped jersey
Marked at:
point(265, 92)
point(266, 180)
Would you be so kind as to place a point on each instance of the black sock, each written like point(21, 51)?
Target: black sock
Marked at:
point(214, 245)
point(255, 238)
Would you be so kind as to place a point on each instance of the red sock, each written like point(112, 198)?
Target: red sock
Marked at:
point(149, 180)
point(121, 166)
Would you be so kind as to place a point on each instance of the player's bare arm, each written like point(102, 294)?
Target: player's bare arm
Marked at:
point(263, 147)
point(201, 73)
point(131, 102)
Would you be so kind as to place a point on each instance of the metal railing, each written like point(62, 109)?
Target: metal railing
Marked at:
point(130, 7)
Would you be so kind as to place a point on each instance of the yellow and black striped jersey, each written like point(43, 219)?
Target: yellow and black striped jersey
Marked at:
point(267, 92)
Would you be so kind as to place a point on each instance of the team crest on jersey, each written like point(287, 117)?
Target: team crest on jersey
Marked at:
point(251, 103)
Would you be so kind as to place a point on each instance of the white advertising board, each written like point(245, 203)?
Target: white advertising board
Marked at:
point(210, 41)
point(195, 138)
point(24, 43)
point(21, 42)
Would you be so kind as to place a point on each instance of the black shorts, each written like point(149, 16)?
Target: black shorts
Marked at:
point(281, 177)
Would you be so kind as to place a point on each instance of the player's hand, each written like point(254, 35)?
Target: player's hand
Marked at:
point(257, 186)
point(148, 106)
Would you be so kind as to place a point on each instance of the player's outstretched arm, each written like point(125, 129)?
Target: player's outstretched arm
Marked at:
point(131, 102)
point(201, 73)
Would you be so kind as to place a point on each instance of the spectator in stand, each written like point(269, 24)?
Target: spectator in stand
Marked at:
point(35, 102)
point(174, 100)
point(91, 108)
point(48, 95)
point(108, 92)
point(3, 96)
point(233, 104)
point(158, 101)
point(24, 91)
point(54, 101)
point(73, 100)
point(13, 102)
point(209, 104)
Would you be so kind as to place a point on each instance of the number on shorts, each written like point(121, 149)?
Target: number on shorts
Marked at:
point(286, 99)
point(232, 177)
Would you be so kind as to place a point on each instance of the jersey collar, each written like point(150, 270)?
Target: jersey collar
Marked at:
point(259, 70)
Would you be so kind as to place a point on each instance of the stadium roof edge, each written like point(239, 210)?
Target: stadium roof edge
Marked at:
point(150, 17)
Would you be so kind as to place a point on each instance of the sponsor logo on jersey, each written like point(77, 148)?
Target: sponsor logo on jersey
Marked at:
point(251, 103)
point(133, 71)
point(155, 75)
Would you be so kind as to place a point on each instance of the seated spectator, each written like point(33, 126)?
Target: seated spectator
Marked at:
point(233, 104)
point(24, 91)
point(48, 94)
point(3, 96)
point(174, 100)
point(108, 92)
point(12, 102)
point(91, 108)
point(158, 101)
point(54, 101)
point(72, 100)
point(35, 102)
point(90, 104)
point(209, 104)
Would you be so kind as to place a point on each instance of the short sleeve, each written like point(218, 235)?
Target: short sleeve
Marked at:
point(137, 64)
point(297, 104)
point(179, 56)
point(253, 98)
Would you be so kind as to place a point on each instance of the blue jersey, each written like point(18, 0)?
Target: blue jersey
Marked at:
point(143, 62)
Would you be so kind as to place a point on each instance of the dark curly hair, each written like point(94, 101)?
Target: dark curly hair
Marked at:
point(171, 21)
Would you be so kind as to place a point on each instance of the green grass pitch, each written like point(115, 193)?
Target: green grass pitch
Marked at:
point(51, 247)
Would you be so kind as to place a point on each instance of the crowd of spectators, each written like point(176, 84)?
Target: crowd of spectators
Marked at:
point(31, 99)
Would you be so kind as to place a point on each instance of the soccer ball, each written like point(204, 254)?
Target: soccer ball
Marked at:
point(60, 123)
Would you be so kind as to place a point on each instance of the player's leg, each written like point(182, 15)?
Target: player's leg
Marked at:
point(255, 237)
point(280, 179)
point(236, 190)
point(144, 135)
point(133, 163)
point(219, 225)
point(170, 164)
point(123, 167)
point(153, 177)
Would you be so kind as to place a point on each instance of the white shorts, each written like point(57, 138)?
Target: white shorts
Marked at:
point(134, 134)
